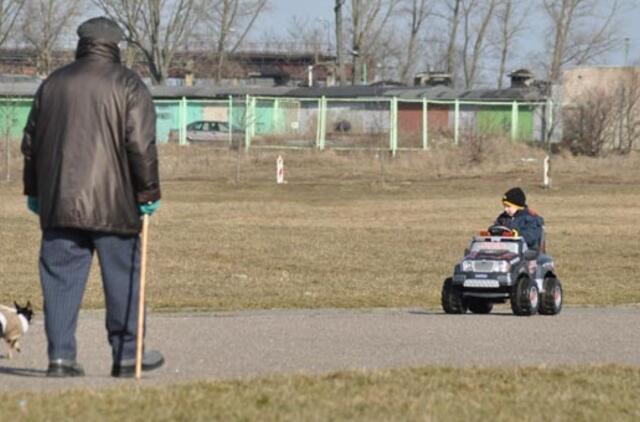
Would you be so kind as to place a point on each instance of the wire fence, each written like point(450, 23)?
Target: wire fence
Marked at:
point(356, 123)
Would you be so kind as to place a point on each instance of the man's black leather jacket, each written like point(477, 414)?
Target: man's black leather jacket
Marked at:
point(90, 144)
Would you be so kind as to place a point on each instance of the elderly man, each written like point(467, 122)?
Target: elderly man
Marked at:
point(90, 171)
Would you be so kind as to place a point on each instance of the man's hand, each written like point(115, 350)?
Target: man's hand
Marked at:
point(32, 204)
point(149, 208)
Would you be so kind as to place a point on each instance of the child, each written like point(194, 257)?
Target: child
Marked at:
point(518, 217)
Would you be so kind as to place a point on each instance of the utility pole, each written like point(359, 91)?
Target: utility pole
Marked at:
point(339, 56)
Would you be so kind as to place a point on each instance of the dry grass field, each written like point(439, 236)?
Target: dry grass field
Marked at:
point(353, 230)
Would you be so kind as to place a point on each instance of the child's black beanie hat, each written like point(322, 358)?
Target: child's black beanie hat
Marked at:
point(515, 196)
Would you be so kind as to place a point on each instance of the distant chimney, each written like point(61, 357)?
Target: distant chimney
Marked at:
point(433, 79)
point(188, 79)
point(188, 75)
point(521, 78)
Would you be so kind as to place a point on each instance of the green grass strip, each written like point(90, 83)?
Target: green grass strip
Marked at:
point(429, 394)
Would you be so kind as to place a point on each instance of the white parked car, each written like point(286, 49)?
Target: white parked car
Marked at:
point(208, 131)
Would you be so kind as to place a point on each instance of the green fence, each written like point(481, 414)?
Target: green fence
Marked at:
point(364, 123)
point(382, 123)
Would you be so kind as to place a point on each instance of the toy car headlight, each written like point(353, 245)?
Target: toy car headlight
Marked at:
point(467, 266)
point(502, 266)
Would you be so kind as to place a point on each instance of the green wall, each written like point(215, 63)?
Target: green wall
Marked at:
point(264, 116)
point(167, 119)
point(268, 119)
point(168, 116)
point(496, 120)
point(13, 116)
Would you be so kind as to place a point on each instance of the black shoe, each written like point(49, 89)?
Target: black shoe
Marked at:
point(60, 368)
point(126, 369)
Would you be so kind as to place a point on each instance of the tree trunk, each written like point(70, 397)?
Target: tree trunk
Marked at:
point(339, 46)
point(504, 41)
point(355, 44)
point(451, 50)
point(562, 25)
point(478, 46)
point(419, 14)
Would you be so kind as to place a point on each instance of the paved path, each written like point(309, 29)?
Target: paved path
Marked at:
point(214, 346)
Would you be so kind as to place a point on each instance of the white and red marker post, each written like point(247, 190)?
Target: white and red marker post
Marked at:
point(546, 169)
point(280, 170)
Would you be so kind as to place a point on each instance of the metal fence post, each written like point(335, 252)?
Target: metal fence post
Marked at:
point(323, 122)
point(247, 128)
point(182, 111)
point(550, 121)
point(514, 121)
point(276, 109)
point(425, 125)
point(318, 122)
point(391, 125)
point(230, 119)
point(393, 135)
point(456, 123)
point(254, 116)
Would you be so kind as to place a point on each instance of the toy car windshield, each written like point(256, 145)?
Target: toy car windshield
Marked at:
point(497, 248)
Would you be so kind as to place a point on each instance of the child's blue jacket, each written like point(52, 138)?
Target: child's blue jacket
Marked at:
point(527, 223)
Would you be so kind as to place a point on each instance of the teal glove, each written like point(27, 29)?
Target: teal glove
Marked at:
point(32, 204)
point(149, 208)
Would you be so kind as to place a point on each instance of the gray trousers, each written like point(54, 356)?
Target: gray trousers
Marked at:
point(65, 261)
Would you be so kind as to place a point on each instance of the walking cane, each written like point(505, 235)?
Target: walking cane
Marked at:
point(143, 273)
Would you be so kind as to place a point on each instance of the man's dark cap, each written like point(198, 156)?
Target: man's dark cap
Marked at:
point(101, 29)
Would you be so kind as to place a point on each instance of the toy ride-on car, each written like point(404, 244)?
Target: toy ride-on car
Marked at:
point(498, 266)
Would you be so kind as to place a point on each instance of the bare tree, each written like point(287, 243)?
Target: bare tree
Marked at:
point(368, 20)
point(339, 46)
point(309, 36)
point(579, 33)
point(476, 16)
point(156, 27)
point(586, 124)
point(9, 13)
point(418, 12)
point(452, 17)
point(627, 111)
point(605, 119)
point(230, 21)
point(43, 26)
point(511, 22)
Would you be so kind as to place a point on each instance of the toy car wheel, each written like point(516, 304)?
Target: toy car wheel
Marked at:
point(525, 297)
point(479, 306)
point(551, 299)
point(452, 302)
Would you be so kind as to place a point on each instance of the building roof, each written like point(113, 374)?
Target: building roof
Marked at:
point(521, 73)
point(444, 93)
point(519, 94)
point(350, 91)
point(216, 91)
point(18, 89)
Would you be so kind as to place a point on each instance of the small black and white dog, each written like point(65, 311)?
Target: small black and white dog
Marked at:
point(14, 322)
